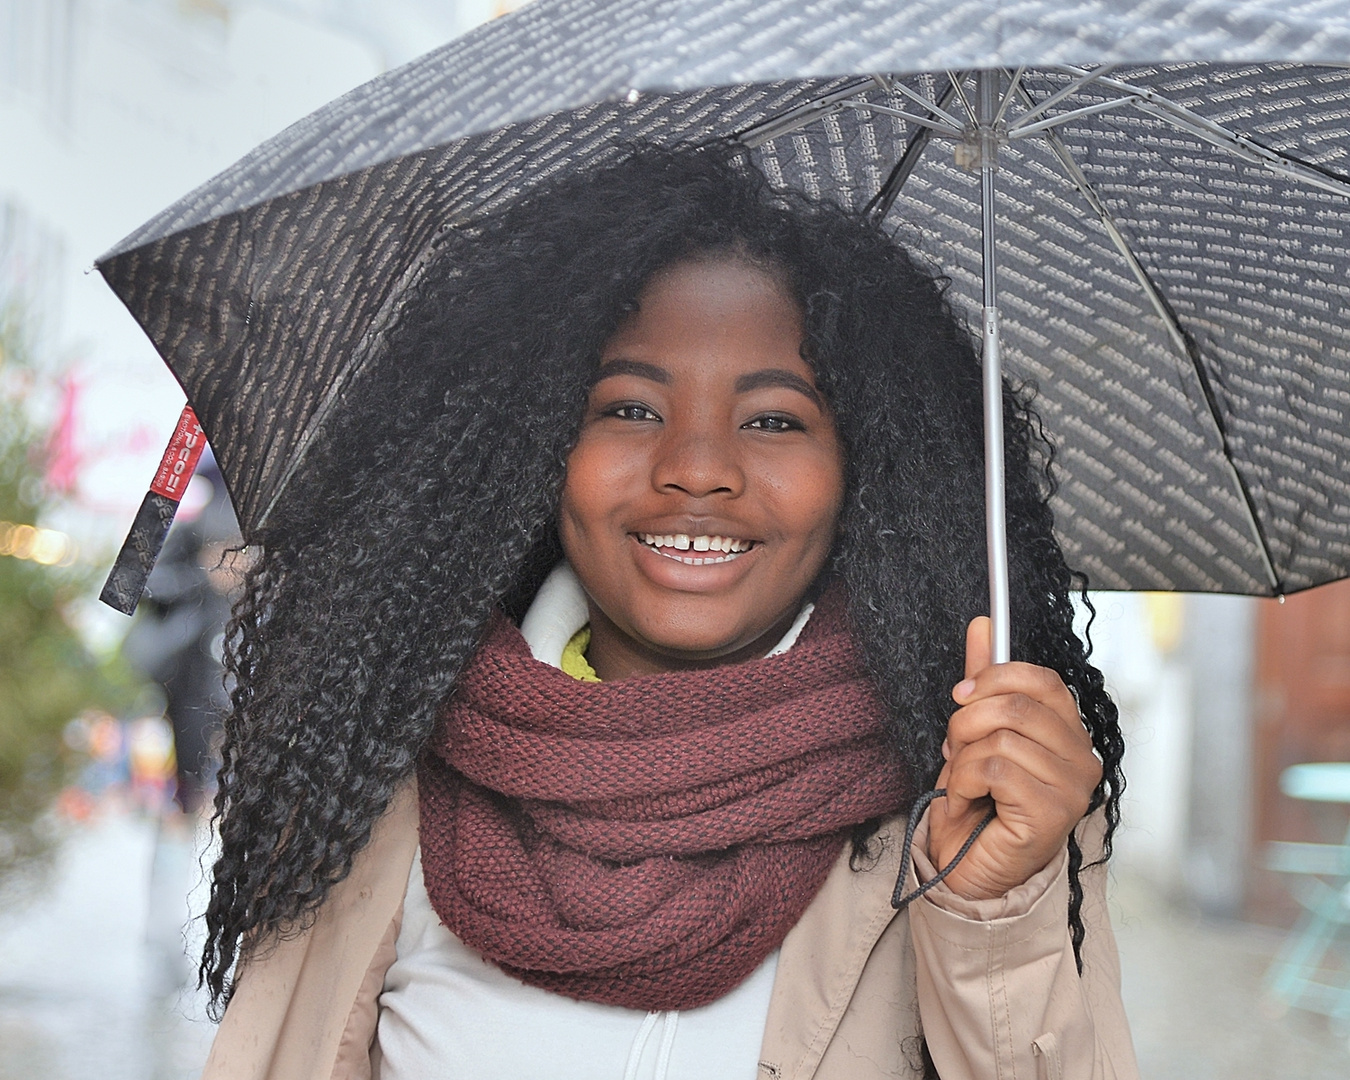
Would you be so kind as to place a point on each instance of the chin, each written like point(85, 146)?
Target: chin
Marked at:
point(700, 642)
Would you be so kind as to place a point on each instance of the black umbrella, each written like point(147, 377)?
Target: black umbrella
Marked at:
point(1172, 215)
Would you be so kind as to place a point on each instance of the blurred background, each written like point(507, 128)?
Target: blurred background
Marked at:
point(112, 109)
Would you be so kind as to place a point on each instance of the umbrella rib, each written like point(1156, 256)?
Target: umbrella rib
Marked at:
point(362, 351)
point(886, 110)
point(1182, 340)
point(938, 108)
point(961, 94)
point(1241, 146)
point(806, 113)
point(1021, 131)
point(1285, 156)
point(1054, 99)
point(880, 204)
point(1014, 83)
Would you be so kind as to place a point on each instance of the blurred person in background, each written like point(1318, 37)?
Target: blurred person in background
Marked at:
point(177, 637)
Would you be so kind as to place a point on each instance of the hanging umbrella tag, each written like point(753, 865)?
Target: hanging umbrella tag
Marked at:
point(126, 581)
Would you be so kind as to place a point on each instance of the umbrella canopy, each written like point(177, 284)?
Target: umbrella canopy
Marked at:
point(1178, 290)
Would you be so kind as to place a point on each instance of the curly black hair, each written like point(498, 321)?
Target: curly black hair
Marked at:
point(433, 501)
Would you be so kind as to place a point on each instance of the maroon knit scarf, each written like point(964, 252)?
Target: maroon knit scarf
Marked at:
point(647, 842)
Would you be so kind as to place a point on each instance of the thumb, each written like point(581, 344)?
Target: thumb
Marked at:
point(978, 646)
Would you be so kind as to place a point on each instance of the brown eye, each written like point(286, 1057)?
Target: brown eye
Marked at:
point(631, 410)
point(774, 422)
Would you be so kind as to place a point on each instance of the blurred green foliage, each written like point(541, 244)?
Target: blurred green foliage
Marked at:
point(47, 674)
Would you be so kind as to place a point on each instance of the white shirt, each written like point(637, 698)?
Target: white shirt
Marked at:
point(448, 1014)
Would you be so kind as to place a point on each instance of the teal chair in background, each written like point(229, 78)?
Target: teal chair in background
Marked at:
point(1312, 970)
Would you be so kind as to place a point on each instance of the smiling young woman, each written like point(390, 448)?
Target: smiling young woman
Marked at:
point(703, 492)
point(583, 690)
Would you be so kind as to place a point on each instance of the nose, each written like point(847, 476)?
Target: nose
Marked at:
point(698, 463)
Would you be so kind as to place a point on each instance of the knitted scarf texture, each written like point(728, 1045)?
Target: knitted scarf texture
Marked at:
point(648, 842)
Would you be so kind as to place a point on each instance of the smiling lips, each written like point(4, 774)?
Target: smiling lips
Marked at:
point(675, 545)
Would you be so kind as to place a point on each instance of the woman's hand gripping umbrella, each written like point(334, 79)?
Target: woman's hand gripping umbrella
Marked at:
point(1017, 742)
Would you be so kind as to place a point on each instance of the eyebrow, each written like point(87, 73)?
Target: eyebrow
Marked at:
point(612, 368)
point(753, 380)
point(789, 380)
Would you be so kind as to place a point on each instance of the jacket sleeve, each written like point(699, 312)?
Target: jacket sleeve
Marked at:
point(999, 990)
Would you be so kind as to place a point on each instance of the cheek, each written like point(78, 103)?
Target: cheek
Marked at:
point(827, 500)
point(596, 476)
point(810, 497)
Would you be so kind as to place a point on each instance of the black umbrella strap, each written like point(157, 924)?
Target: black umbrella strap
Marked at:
point(899, 900)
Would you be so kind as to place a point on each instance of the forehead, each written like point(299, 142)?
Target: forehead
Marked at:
point(720, 312)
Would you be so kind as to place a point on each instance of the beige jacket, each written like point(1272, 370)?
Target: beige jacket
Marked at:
point(994, 981)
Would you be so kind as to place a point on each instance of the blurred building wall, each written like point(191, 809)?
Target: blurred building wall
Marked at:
point(1180, 668)
point(1218, 648)
point(1218, 695)
point(1302, 714)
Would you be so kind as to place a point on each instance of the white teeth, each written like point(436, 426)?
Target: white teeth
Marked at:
point(683, 542)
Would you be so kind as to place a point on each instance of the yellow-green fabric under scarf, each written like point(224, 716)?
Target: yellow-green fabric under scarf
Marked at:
point(574, 660)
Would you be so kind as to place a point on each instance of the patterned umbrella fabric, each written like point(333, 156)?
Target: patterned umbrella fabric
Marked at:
point(1174, 256)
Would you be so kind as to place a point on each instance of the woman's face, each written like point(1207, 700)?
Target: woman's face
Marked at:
point(703, 492)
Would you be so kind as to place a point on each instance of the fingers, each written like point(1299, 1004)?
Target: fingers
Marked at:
point(1016, 740)
point(979, 645)
point(983, 679)
point(1029, 782)
point(1019, 695)
point(1024, 715)
point(1040, 683)
point(955, 815)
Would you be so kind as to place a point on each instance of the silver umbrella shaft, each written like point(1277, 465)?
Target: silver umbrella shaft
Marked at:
point(995, 514)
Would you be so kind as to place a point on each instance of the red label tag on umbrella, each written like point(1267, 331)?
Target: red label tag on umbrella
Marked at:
point(180, 458)
point(126, 581)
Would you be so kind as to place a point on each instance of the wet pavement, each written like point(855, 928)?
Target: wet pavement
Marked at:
point(1193, 992)
point(92, 974)
point(93, 969)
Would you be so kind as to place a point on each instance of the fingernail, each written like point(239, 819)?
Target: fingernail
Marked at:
point(964, 688)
